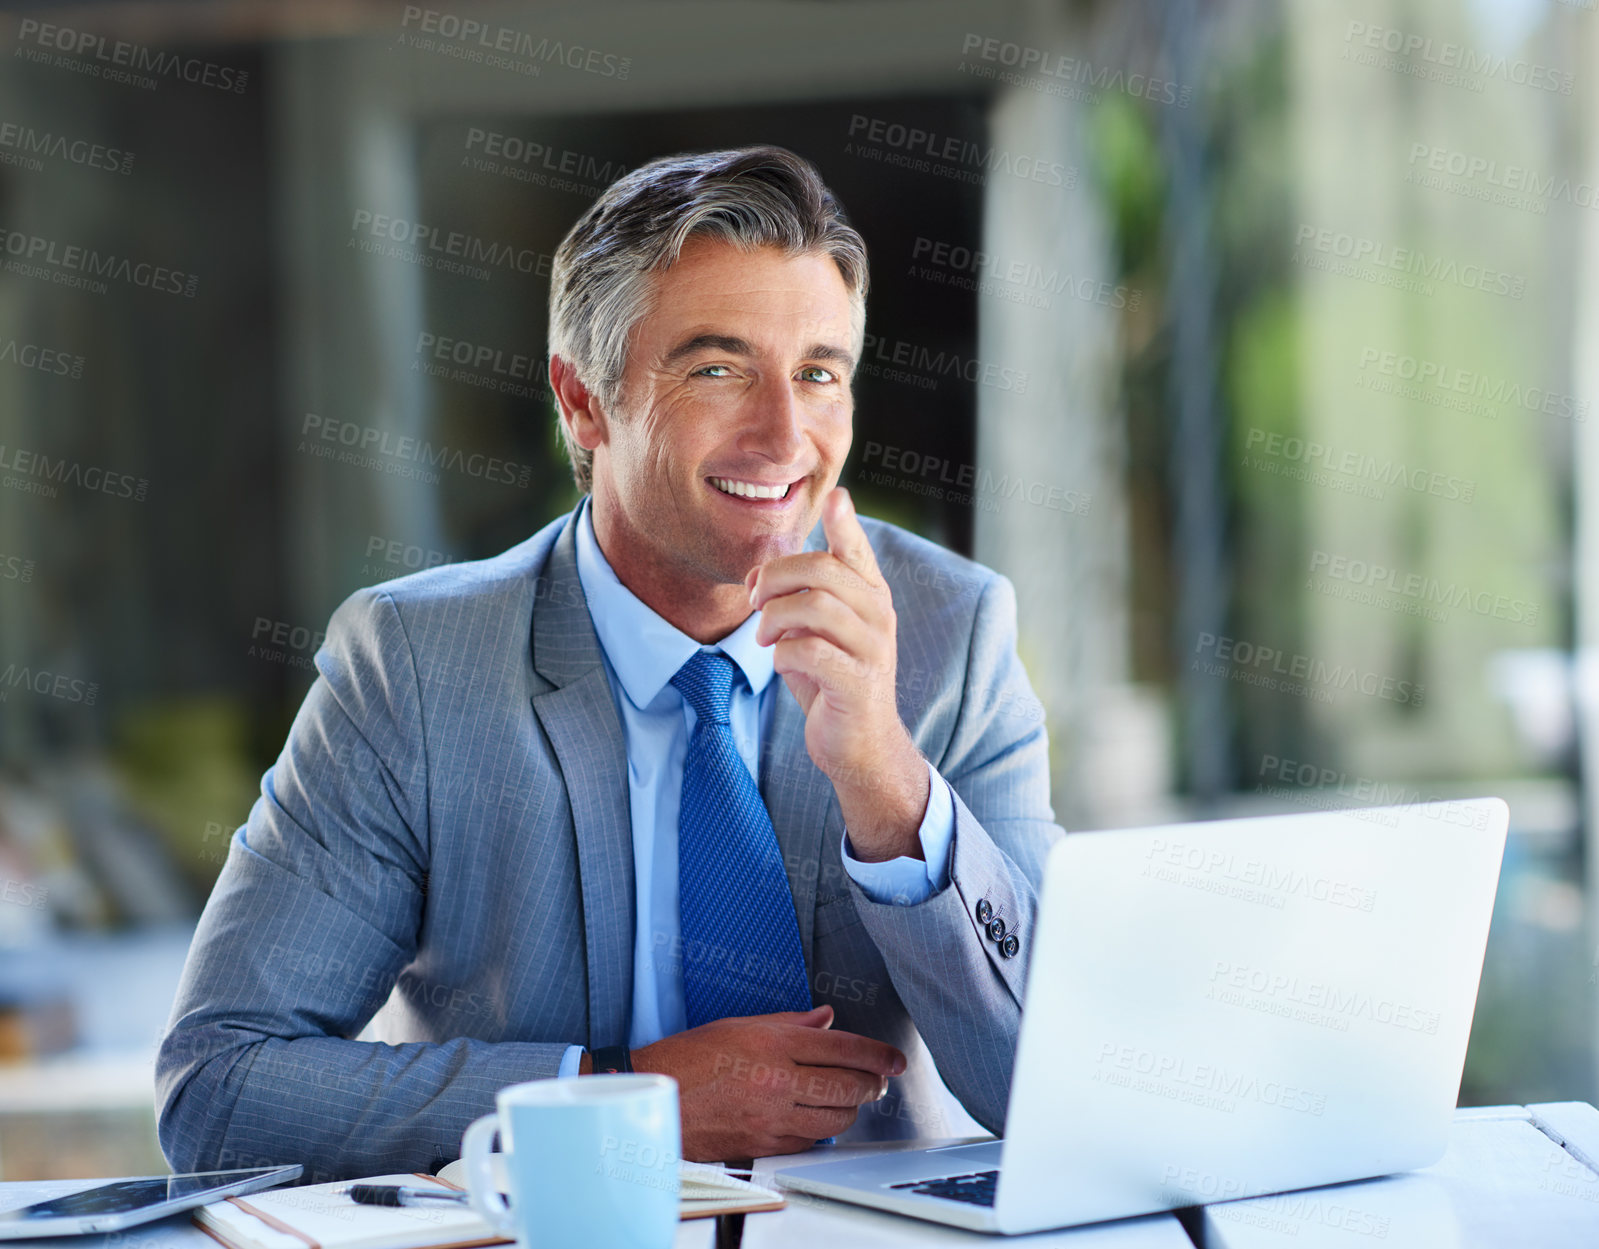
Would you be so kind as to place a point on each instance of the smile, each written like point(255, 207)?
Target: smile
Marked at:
point(749, 490)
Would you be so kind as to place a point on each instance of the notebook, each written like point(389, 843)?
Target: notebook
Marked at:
point(704, 1189)
point(322, 1216)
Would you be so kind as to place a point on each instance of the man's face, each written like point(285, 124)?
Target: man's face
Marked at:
point(736, 385)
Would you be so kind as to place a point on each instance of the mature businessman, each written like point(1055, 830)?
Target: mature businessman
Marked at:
point(710, 777)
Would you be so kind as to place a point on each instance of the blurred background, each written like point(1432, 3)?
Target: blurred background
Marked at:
point(1257, 343)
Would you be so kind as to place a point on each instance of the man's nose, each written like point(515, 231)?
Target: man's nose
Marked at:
point(776, 425)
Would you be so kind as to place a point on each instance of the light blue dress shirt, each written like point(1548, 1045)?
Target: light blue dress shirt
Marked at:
point(642, 652)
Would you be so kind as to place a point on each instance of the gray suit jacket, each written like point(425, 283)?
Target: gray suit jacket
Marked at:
point(445, 843)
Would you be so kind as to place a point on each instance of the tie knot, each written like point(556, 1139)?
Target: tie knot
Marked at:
point(706, 681)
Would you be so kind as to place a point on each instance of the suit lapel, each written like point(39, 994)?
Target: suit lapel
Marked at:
point(579, 717)
point(799, 798)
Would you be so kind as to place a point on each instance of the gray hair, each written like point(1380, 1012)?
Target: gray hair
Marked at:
point(601, 280)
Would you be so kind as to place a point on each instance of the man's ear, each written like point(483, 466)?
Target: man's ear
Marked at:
point(581, 413)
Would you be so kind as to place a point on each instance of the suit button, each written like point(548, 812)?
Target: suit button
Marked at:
point(1009, 946)
point(996, 929)
point(985, 912)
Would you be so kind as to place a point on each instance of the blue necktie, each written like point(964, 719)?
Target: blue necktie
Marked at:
point(741, 943)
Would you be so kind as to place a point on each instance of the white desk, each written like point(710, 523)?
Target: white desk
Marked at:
point(179, 1232)
point(1513, 1176)
point(1506, 1180)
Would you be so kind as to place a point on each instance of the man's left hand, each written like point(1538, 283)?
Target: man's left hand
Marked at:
point(829, 616)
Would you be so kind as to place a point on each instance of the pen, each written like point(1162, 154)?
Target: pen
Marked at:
point(397, 1195)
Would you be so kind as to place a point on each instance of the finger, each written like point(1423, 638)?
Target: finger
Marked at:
point(817, 1122)
point(845, 1049)
point(831, 669)
point(821, 613)
point(803, 688)
point(816, 1017)
point(822, 663)
point(836, 1087)
point(845, 537)
point(808, 570)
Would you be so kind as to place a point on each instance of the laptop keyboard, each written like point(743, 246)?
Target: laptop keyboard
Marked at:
point(976, 1188)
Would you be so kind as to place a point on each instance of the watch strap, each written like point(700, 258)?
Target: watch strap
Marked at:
point(611, 1060)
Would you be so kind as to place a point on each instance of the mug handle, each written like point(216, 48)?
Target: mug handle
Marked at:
point(481, 1189)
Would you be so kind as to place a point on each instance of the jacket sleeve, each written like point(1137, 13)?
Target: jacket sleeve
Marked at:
point(963, 991)
point(312, 919)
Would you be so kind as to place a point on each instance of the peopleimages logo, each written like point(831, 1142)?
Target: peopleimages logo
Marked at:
point(896, 353)
point(478, 364)
point(1349, 469)
point(1443, 54)
point(44, 359)
point(1480, 177)
point(1306, 784)
point(449, 251)
point(73, 265)
point(119, 61)
point(1284, 1213)
point(492, 45)
point(48, 684)
point(528, 160)
point(1171, 860)
point(1344, 1004)
point(975, 269)
point(912, 466)
point(1267, 666)
point(1207, 1084)
point(24, 145)
point(920, 150)
point(407, 456)
point(1026, 59)
point(1406, 268)
point(37, 473)
point(1447, 385)
point(1425, 590)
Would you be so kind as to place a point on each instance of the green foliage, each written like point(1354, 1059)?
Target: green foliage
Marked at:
point(1261, 370)
point(1129, 170)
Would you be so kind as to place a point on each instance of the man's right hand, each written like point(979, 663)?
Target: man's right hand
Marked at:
point(769, 1084)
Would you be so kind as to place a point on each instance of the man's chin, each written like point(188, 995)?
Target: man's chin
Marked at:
point(733, 561)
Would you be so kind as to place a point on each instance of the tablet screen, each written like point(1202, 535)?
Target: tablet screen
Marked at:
point(122, 1196)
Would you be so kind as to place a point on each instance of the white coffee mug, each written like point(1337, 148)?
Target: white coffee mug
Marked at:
point(591, 1160)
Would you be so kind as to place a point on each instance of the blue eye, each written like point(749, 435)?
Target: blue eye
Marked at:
point(706, 371)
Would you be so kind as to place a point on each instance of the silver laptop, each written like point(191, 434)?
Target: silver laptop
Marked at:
point(1223, 1010)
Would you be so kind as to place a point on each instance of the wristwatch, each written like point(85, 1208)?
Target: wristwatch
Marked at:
point(610, 1060)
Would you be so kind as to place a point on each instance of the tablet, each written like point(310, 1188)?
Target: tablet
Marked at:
point(126, 1203)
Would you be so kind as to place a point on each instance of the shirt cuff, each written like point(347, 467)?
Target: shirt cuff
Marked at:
point(571, 1061)
point(905, 881)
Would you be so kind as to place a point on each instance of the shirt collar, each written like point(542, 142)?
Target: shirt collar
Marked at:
point(644, 650)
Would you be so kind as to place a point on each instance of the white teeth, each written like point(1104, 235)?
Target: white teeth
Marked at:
point(749, 490)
